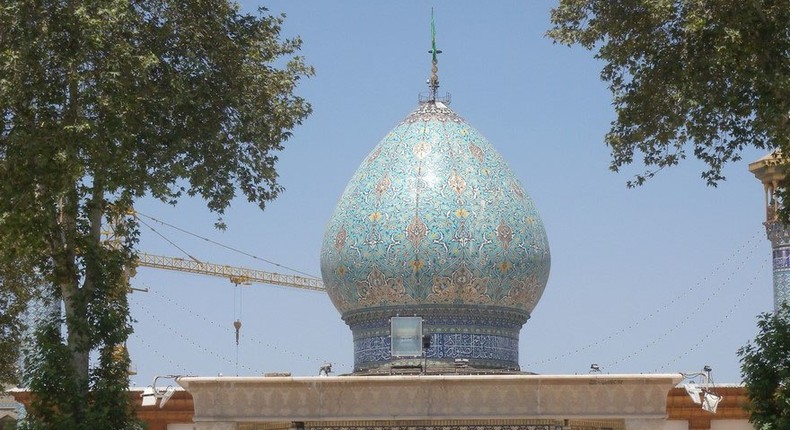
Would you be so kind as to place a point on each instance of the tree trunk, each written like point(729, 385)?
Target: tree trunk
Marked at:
point(67, 279)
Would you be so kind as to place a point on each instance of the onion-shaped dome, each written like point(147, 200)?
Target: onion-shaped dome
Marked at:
point(434, 224)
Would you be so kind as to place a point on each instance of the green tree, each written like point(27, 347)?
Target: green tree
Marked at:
point(710, 77)
point(103, 102)
point(14, 297)
point(765, 365)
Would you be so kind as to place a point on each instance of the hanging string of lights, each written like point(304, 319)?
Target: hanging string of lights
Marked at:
point(298, 355)
point(176, 368)
point(735, 262)
point(306, 357)
point(741, 299)
point(197, 345)
point(677, 326)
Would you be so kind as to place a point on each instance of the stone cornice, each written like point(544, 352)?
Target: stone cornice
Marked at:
point(427, 397)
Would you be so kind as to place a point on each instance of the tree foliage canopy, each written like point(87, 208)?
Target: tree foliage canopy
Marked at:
point(103, 102)
point(707, 76)
point(765, 365)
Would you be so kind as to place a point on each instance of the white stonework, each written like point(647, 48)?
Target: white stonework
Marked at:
point(645, 424)
point(215, 426)
point(638, 399)
point(731, 425)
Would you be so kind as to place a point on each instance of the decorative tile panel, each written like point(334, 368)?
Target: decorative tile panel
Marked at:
point(481, 348)
point(781, 288)
point(779, 235)
point(781, 258)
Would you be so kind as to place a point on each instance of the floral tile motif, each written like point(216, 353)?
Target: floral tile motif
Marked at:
point(779, 235)
point(434, 216)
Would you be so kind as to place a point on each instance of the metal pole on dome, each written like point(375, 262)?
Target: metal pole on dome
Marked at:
point(433, 83)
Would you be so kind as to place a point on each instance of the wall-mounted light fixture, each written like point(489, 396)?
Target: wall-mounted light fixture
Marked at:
point(152, 393)
point(702, 393)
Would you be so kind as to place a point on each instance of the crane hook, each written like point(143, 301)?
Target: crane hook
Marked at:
point(237, 326)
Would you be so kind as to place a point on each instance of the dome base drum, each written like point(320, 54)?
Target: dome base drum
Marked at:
point(483, 337)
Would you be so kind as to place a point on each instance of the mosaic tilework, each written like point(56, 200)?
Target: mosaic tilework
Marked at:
point(781, 258)
point(488, 336)
point(440, 318)
point(777, 233)
point(434, 217)
point(781, 288)
point(445, 345)
point(779, 236)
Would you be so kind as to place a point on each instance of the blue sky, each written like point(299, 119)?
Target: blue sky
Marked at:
point(665, 278)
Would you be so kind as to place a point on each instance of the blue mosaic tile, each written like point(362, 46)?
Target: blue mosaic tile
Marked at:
point(781, 288)
point(434, 217)
point(450, 346)
point(779, 235)
point(781, 258)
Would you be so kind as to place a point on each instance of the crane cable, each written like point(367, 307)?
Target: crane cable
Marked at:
point(230, 248)
point(169, 241)
point(236, 316)
point(237, 321)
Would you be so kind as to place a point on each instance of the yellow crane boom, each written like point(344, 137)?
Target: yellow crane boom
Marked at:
point(237, 275)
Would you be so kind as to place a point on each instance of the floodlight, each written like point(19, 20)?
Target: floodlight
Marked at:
point(151, 393)
point(693, 391)
point(149, 396)
point(710, 402)
point(406, 337)
point(169, 391)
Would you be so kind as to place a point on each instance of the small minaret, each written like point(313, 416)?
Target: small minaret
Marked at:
point(770, 172)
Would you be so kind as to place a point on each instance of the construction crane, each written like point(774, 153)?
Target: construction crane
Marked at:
point(43, 308)
point(236, 275)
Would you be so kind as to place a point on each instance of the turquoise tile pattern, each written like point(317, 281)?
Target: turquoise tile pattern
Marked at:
point(779, 235)
point(435, 224)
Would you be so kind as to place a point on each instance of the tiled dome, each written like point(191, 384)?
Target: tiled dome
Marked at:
point(434, 224)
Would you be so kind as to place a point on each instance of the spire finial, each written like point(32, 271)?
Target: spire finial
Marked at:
point(433, 83)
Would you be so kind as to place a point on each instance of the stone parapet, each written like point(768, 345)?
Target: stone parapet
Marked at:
point(429, 397)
